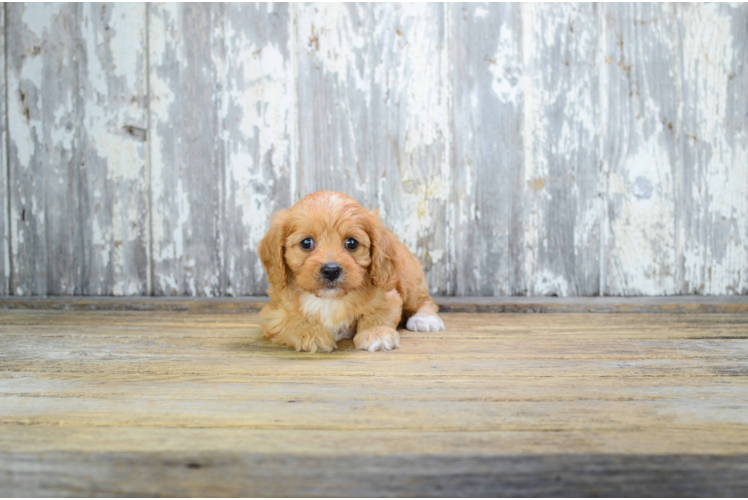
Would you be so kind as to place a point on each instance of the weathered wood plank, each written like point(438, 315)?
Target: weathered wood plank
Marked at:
point(714, 144)
point(285, 388)
point(187, 155)
point(335, 122)
point(668, 305)
point(409, 119)
point(5, 266)
point(194, 404)
point(481, 414)
point(77, 115)
point(45, 153)
point(656, 441)
point(373, 116)
point(561, 176)
point(498, 141)
point(639, 119)
point(486, 213)
point(475, 347)
point(249, 474)
point(113, 191)
point(259, 112)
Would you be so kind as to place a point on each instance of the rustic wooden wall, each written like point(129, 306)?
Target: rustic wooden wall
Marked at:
point(516, 149)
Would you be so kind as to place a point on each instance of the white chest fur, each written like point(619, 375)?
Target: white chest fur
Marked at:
point(331, 313)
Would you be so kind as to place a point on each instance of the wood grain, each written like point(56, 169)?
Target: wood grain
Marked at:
point(373, 117)
point(410, 105)
point(197, 403)
point(258, 115)
point(45, 153)
point(204, 475)
point(77, 162)
point(561, 178)
point(113, 194)
point(641, 160)
point(714, 144)
point(488, 166)
point(335, 123)
point(5, 265)
point(568, 150)
point(668, 305)
point(187, 155)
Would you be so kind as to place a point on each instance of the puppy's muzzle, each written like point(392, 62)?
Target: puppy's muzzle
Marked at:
point(330, 272)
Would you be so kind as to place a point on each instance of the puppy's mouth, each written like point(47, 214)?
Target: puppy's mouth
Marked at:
point(329, 290)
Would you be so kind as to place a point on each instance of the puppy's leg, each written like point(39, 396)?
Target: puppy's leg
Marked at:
point(376, 330)
point(297, 331)
point(425, 319)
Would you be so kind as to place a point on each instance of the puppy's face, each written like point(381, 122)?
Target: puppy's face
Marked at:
point(328, 244)
point(328, 255)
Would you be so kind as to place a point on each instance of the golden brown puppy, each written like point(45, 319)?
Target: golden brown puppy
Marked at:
point(336, 272)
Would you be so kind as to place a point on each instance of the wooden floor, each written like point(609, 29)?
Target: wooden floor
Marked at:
point(111, 403)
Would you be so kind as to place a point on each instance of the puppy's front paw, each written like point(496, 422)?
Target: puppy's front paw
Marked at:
point(316, 342)
point(420, 322)
point(377, 338)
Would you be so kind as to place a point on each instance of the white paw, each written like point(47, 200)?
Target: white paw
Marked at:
point(420, 322)
point(378, 338)
point(383, 344)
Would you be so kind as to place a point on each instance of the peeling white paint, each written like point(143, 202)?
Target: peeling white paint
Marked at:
point(547, 283)
point(40, 18)
point(712, 62)
point(507, 83)
point(663, 112)
point(415, 78)
point(265, 106)
point(642, 191)
point(419, 217)
point(644, 228)
point(335, 40)
point(480, 12)
point(533, 135)
point(167, 245)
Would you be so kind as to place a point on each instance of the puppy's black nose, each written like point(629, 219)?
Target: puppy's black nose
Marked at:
point(330, 272)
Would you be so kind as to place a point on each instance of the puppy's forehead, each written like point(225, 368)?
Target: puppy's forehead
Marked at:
point(330, 202)
point(318, 221)
point(333, 210)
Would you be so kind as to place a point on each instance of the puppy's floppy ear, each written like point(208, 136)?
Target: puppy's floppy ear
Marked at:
point(382, 269)
point(272, 250)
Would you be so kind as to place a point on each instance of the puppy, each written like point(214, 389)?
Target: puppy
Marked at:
point(335, 273)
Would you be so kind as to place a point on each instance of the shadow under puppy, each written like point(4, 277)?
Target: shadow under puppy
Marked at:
point(335, 273)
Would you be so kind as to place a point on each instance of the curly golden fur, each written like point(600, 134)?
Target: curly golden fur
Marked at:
point(336, 289)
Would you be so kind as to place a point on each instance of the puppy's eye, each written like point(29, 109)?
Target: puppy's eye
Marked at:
point(307, 244)
point(351, 244)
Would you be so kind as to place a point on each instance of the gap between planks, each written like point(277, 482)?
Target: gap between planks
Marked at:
point(668, 305)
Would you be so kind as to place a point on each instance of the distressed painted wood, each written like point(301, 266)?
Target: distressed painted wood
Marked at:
point(258, 112)
point(113, 194)
point(409, 108)
point(668, 304)
point(77, 130)
point(190, 403)
point(187, 149)
point(641, 164)
point(5, 266)
point(192, 474)
point(45, 153)
point(714, 148)
point(335, 92)
point(562, 209)
point(373, 115)
point(569, 150)
point(488, 165)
